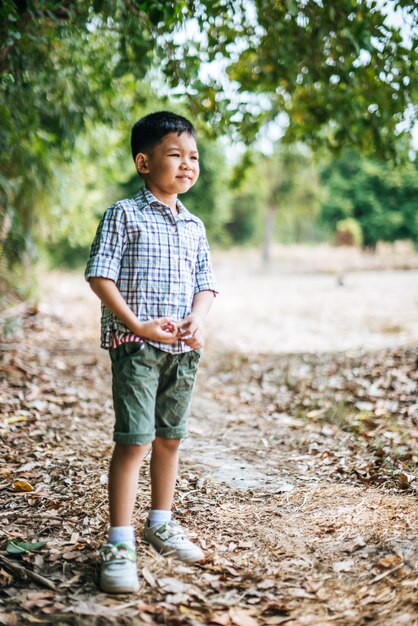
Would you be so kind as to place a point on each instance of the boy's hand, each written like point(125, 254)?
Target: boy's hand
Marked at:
point(191, 331)
point(162, 329)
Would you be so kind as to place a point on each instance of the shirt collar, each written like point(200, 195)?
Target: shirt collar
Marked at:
point(147, 198)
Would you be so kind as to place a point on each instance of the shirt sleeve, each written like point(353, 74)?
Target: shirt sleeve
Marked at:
point(108, 246)
point(204, 279)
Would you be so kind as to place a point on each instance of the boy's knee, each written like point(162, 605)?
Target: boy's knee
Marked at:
point(131, 451)
point(167, 444)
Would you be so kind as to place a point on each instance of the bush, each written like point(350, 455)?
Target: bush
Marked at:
point(348, 233)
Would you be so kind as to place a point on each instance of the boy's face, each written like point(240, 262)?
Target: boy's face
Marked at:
point(172, 167)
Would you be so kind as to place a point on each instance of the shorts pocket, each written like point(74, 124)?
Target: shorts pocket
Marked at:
point(126, 351)
point(194, 358)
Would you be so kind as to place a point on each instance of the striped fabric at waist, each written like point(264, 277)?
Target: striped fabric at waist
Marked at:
point(119, 338)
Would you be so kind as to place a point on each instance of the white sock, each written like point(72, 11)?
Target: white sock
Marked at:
point(157, 516)
point(122, 534)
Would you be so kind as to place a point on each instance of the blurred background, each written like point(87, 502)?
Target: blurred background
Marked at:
point(305, 113)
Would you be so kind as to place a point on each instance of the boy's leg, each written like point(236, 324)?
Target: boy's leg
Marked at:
point(173, 399)
point(163, 469)
point(118, 572)
point(172, 406)
point(135, 377)
point(123, 481)
point(135, 374)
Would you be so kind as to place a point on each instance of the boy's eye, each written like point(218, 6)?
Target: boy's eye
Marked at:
point(176, 154)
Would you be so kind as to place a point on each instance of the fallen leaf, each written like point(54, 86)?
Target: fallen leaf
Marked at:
point(389, 561)
point(172, 585)
point(6, 471)
point(15, 419)
point(21, 547)
point(70, 556)
point(39, 604)
point(38, 599)
point(343, 566)
point(5, 578)
point(148, 577)
point(312, 586)
point(222, 619)
point(357, 543)
point(266, 584)
point(10, 619)
point(149, 608)
point(405, 480)
point(241, 617)
point(22, 486)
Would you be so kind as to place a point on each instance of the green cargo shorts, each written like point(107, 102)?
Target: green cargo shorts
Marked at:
point(152, 391)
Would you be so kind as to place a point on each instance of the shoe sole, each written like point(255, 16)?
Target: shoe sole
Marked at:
point(119, 589)
point(167, 552)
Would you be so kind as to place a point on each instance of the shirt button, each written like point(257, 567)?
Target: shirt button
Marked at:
point(174, 229)
point(175, 288)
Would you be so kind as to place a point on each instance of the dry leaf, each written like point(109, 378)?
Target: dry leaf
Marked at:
point(63, 444)
point(22, 485)
point(343, 566)
point(5, 578)
point(69, 556)
point(10, 619)
point(241, 617)
point(15, 419)
point(222, 619)
point(312, 586)
point(357, 543)
point(148, 577)
point(6, 471)
point(389, 561)
point(172, 585)
point(148, 608)
point(269, 583)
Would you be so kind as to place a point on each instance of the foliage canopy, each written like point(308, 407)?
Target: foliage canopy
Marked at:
point(382, 200)
point(331, 74)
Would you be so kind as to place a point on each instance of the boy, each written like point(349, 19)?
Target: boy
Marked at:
point(150, 266)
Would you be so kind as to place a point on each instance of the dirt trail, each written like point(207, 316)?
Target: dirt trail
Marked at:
point(287, 509)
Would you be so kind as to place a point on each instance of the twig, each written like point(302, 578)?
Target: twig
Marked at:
point(327, 618)
point(26, 573)
point(375, 580)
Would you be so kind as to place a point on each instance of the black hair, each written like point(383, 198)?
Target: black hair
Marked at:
point(147, 132)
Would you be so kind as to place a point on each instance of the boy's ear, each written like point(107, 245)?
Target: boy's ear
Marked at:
point(141, 162)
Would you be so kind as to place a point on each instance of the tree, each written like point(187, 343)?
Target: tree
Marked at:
point(337, 72)
point(275, 196)
point(382, 199)
point(62, 67)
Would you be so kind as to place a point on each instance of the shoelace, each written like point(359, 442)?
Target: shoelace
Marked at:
point(171, 530)
point(117, 552)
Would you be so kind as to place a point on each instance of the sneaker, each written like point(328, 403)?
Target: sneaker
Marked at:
point(171, 539)
point(118, 572)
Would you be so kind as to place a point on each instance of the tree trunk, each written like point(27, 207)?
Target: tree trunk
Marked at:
point(269, 228)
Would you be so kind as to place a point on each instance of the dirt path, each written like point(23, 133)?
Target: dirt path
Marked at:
point(297, 478)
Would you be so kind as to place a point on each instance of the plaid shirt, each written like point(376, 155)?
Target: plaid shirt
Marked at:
point(157, 260)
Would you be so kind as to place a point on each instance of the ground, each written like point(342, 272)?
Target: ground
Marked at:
point(298, 477)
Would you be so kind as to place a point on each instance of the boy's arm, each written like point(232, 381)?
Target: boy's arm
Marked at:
point(191, 329)
point(161, 329)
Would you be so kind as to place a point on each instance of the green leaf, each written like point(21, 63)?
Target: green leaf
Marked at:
point(21, 547)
